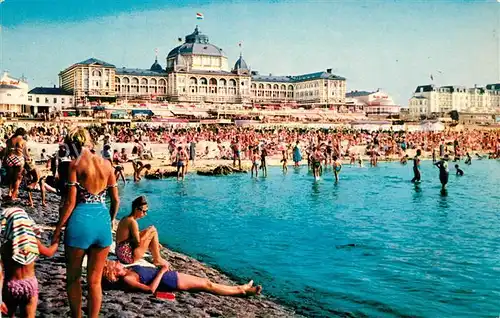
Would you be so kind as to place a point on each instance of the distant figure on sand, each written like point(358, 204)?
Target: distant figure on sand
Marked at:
point(132, 244)
point(150, 280)
point(15, 157)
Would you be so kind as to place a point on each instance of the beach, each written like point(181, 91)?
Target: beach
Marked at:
point(51, 274)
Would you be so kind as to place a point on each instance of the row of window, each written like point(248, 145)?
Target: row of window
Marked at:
point(47, 100)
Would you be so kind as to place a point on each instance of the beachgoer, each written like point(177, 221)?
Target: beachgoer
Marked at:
point(284, 160)
point(317, 157)
point(460, 172)
point(33, 180)
point(181, 158)
point(236, 152)
point(337, 166)
point(443, 171)
point(150, 280)
point(21, 286)
point(192, 151)
point(263, 162)
point(15, 157)
point(88, 222)
point(255, 162)
point(416, 167)
point(132, 244)
point(297, 156)
point(468, 160)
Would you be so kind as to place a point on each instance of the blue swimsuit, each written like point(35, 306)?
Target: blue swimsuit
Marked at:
point(148, 274)
point(90, 223)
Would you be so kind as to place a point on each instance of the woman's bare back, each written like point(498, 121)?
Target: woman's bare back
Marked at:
point(93, 172)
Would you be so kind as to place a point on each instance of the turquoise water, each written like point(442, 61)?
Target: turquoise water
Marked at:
point(373, 245)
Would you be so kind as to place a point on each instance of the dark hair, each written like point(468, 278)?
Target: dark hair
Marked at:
point(138, 202)
point(20, 132)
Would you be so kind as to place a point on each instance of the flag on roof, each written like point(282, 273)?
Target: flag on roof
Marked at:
point(432, 77)
point(199, 16)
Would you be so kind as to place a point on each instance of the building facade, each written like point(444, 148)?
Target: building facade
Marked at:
point(13, 95)
point(49, 99)
point(431, 99)
point(373, 103)
point(198, 72)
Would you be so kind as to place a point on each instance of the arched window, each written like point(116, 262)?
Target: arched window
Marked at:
point(126, 80)
point(162, 82)
point(135, 81)
point(290, 87)
point(275, 86)
point(254, 86)
point(232, 83)
point(193, 81)
point(203, 81)
point(96, 73)
point(213, 81)
point(222, 82)
point(283, 87)
point(268, 86)
point(152, 81)
point(261, 86)
point(117, 80)
point(144, 81)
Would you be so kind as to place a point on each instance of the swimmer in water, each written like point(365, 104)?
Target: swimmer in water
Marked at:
point(404, 160)
point(468, 160)
point(460, 172)
point(337, 166)
point(416, 167)
point(443, 172)
point(255, 162)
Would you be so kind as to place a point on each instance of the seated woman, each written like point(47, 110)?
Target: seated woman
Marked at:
point(33, 180)
point(131, 245)
point(151, 280)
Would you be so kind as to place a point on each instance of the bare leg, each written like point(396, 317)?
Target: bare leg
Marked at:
point(42, 191)
point(74, 259)
point(149, 241)
point(96, 260)
point(29, 310)
point(193, 283)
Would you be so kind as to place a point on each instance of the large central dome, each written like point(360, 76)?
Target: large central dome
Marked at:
point(198, 54)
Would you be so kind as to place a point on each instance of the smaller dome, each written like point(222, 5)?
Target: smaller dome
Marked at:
point(156, 67)
point(240, 64)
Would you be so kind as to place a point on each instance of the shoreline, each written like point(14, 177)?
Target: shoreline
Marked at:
point(51, 274)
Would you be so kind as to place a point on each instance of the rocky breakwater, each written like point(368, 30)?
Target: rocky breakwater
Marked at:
point(51, 274)
point(219, 170)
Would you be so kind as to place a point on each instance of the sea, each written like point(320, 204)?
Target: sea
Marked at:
point(371, 245)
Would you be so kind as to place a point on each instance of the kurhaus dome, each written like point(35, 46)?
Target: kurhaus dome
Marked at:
point(156, 67)
point(240, 64)
point(196, 43)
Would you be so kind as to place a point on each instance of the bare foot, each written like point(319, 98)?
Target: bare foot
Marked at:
point(161, 262)
point(256, 290)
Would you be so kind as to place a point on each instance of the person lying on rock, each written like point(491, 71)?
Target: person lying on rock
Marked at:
point(151, 280)
point(132, 244)
point(138, 168)
point(21, 285)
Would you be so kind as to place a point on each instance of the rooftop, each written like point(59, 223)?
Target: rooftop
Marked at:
point(358, 93)
point(49, 91)
point(138, 72)
point(297, 78)
point(93, 60)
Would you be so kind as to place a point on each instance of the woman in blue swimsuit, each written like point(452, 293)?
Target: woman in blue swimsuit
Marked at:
point(151, 280)
point(88, 222)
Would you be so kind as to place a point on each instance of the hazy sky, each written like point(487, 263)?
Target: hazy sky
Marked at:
point(392, 45)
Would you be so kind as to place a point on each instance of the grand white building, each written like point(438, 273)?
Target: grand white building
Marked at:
point(49, 99)
point(431, 99)
point(199, 72)
point(373, 103)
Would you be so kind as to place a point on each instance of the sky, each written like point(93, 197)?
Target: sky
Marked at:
point(376, 44)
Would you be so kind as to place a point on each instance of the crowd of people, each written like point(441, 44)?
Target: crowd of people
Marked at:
point(84, 177)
